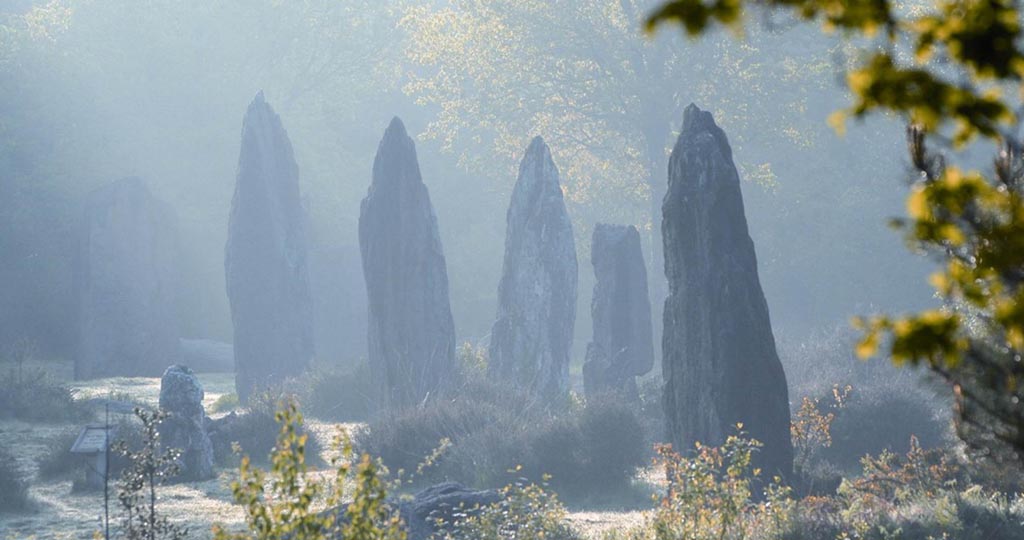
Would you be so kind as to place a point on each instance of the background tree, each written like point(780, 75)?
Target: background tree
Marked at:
point(953, 71)
point(575, 72)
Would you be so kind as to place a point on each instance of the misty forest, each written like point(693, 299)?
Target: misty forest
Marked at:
point(511, 269)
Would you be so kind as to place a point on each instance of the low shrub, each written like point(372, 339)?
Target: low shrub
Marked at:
point(253, 432)
point(880, 419)
point(225, 403)
point(526, 511)
point(713, 495)
point(33, 394)
point(13, 484)
point(284, 502)
point(336, 396)
point(56, 459)
point(492, 428)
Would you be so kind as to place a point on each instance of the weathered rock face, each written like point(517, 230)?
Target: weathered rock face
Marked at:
point(623, 343)
point(125, 281)
point(411, 335)
point(720, 365)
point(265, 258)
point(537, 295)
point(181, 396)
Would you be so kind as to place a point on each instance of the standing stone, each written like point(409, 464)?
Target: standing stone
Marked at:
point(720, 365)
point(125, 277)
point(181, 396)
point(411, 335)
point(537, 295)
point(265, 258)
point(623, 344)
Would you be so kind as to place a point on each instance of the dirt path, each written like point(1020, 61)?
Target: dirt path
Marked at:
point(60, 514)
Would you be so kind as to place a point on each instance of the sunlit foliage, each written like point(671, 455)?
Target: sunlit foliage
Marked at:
point(290, 502)
point(953, 71)
point(579, 74)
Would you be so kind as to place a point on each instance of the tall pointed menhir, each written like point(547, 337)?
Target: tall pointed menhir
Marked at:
point(411, 335)
point(720, 365)
point(265, 257)
point(537, 295)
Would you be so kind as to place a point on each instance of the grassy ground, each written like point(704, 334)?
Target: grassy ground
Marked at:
point(59, 513)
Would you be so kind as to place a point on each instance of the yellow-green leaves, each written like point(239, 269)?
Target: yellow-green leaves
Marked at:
point(696, 15)
point(981, 37)
point(979, 34)
point(303, 506)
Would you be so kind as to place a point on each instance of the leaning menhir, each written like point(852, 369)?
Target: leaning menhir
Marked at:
point(719, 363)
point(410, 335)
point(265, 257)
point(531, 337)
point(125, 279)
point(623, 344)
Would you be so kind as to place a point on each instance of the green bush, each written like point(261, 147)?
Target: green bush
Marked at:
point(56, 460)
point(493, 428)
point(526, 512)
point(225, 403)
point(34, 395)
point(336, 396)
point(290, 509)
point(712, 495)
point(253, 432)
point(13, 484)
point(878, 419)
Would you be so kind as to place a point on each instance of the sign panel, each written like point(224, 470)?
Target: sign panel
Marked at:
point(92, 439)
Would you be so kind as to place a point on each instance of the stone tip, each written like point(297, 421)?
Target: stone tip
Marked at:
point(537, 145)
point(695, 119)
point(396, 126)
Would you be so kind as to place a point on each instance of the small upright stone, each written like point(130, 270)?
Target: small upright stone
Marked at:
point(125, 278)
point(265, 258)
point(623, 344)
point(411, 335)
point(720, 365)
point(532, 335)
point(181, 396)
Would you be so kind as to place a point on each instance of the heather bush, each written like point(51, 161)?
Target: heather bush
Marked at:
point(874, 420)
point(336, 396)
point(527, 511)
point(13, 484)
point(225, 403)
point(33, 394)
point(595, 446)
point(714, 493)
point(56, 459)
point(287, 502)
point(253, 432)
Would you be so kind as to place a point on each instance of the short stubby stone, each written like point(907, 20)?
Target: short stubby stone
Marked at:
point(719, 363)
point(265, 258)
point(125, 278)
point(623, 344)
point(181, 397)
point(532, 334)
point(411, 333)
